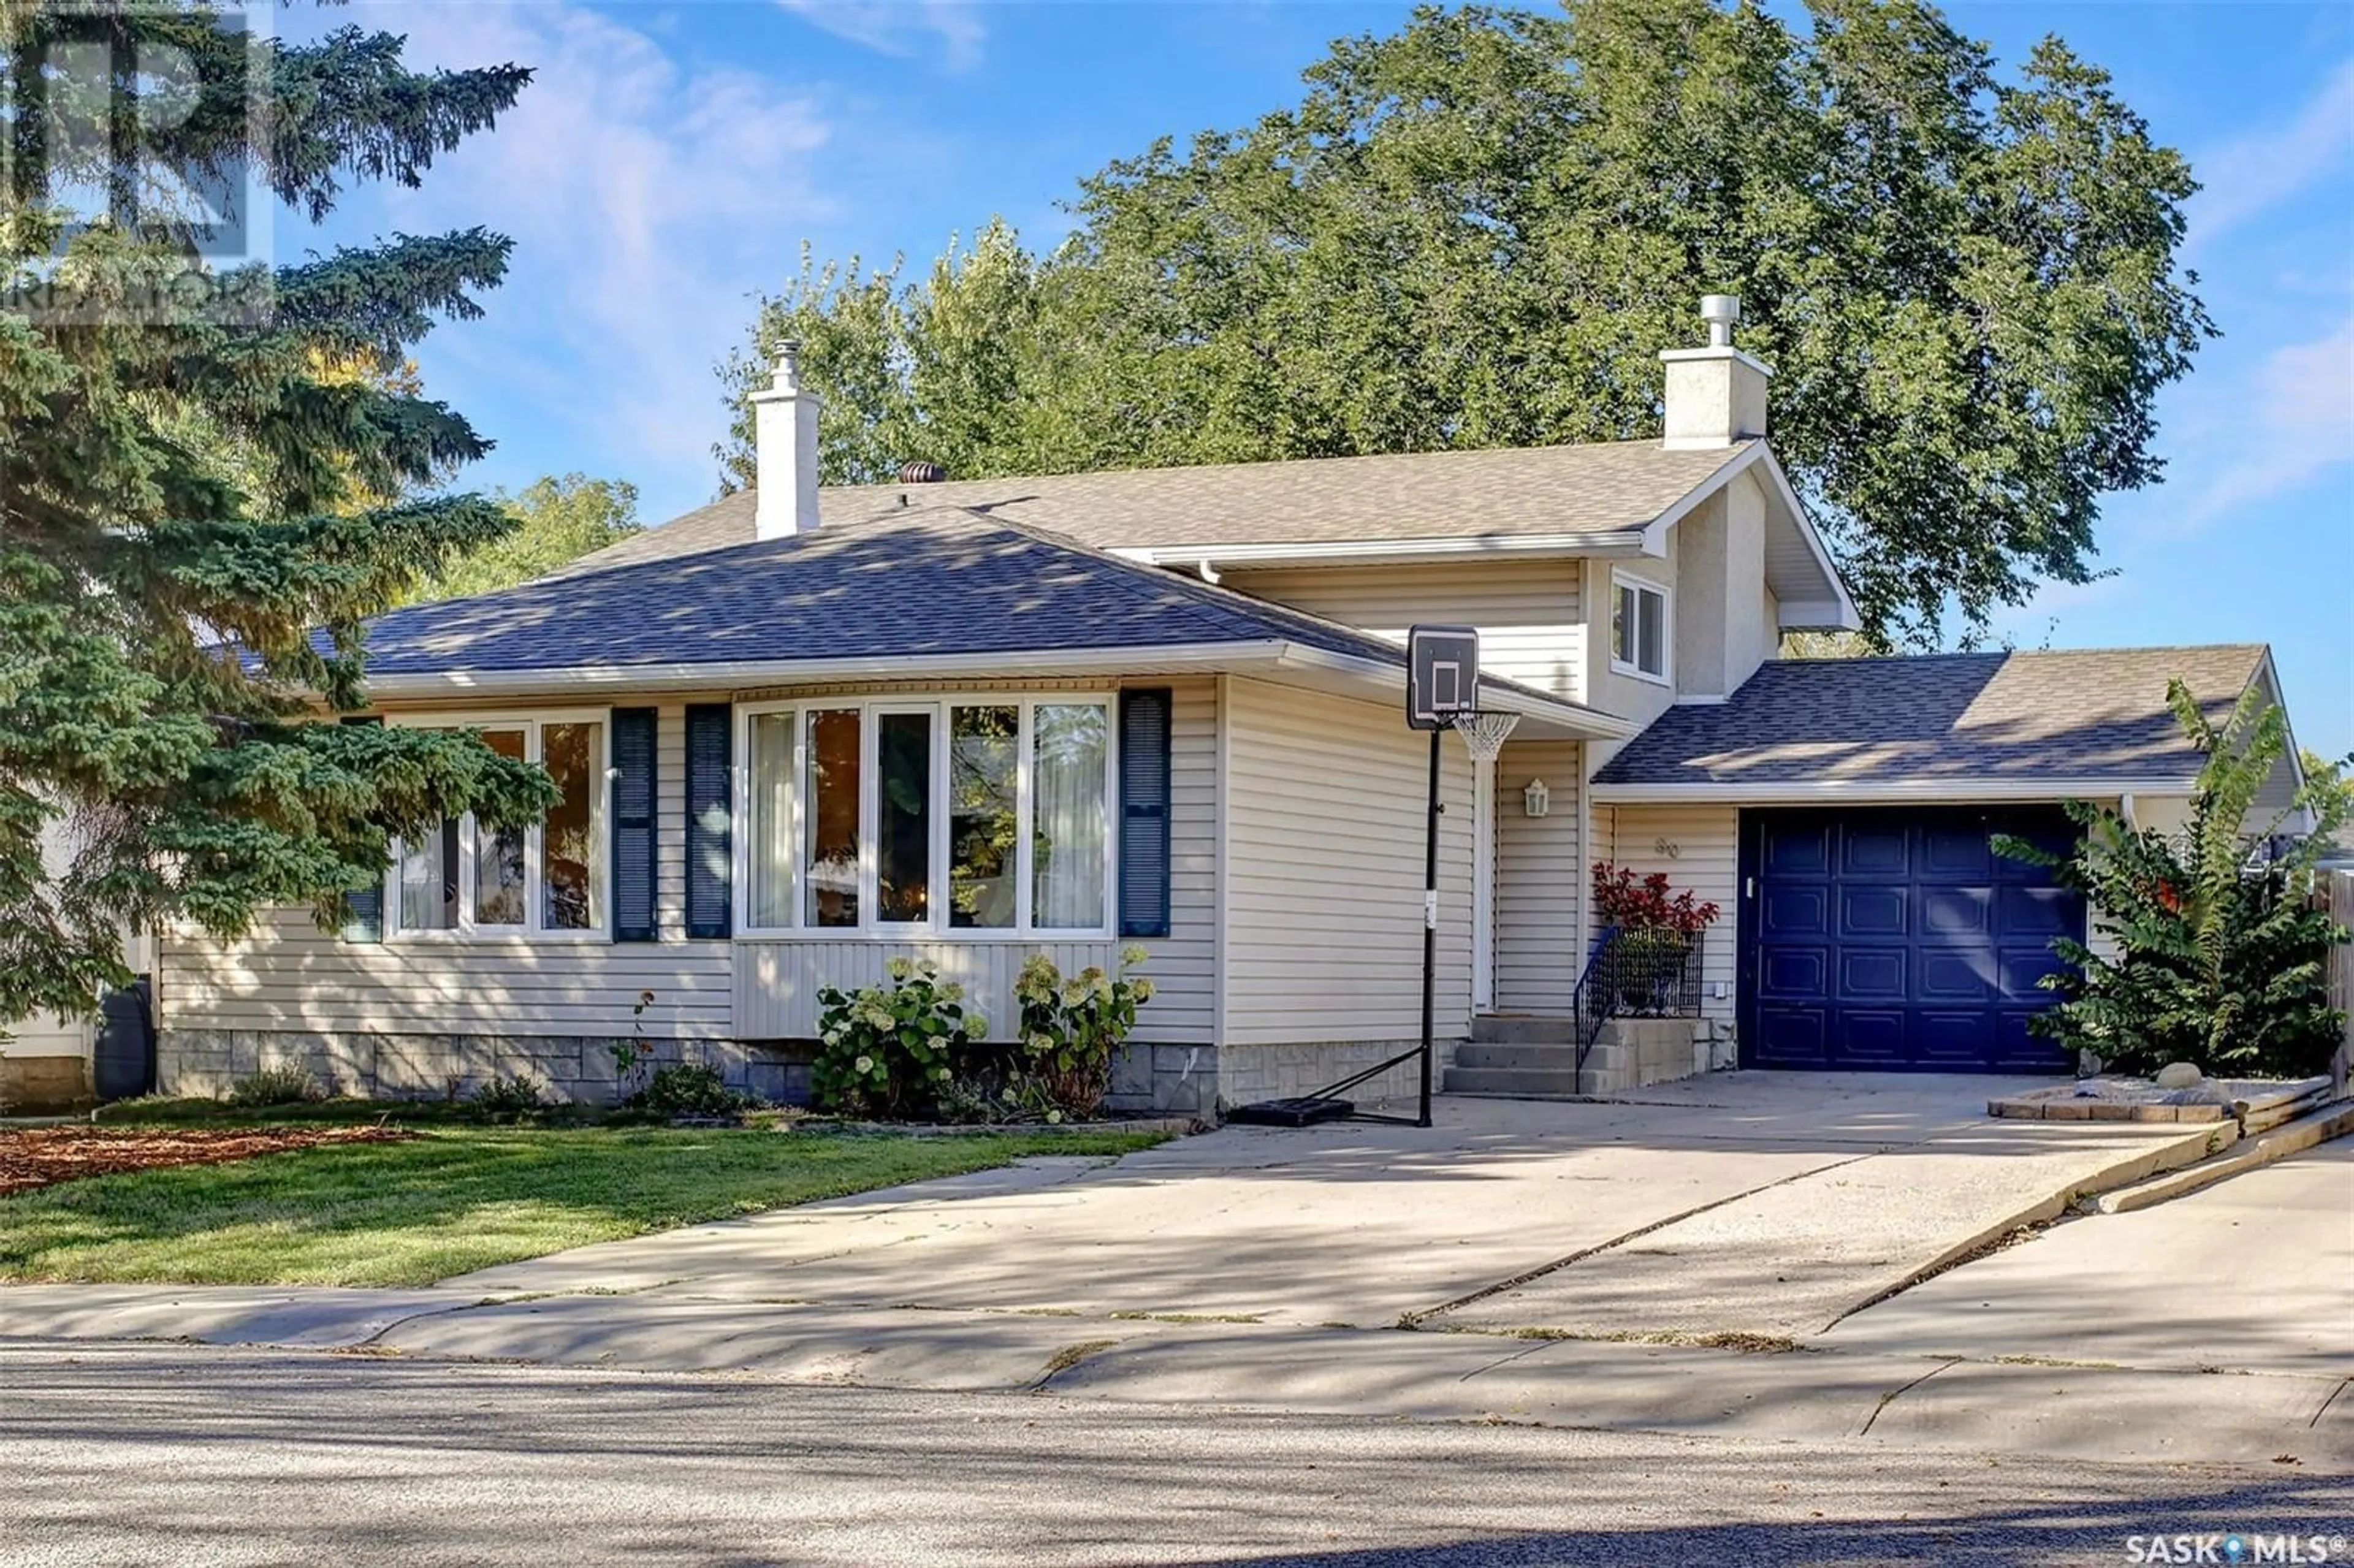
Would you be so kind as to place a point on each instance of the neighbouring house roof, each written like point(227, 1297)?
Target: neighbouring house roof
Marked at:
point(1494, 494)
point(934, 583)
point(1968, 720)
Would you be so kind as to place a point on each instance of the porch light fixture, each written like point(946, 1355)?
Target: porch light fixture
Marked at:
point(1536, 800)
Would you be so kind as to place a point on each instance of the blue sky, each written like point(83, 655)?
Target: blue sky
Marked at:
point(671, 159)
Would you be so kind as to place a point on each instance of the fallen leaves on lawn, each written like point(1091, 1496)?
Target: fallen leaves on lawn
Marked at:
point(38, 1156)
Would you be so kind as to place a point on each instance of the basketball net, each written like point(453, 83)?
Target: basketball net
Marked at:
point(1484, 734)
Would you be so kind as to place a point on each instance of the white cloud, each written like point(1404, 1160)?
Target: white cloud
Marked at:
point(648, 199)
point(2292, 421)
point(949, 29)
point(2246, 178)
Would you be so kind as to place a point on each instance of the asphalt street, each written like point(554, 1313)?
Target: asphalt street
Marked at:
point(189, 1454)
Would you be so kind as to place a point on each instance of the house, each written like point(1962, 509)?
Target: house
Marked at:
point(803, 731)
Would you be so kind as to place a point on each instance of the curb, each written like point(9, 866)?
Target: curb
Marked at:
point(2289, 1138)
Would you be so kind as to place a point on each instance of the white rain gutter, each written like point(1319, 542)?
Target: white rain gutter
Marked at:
point(609, 680)
point(1844, 791)
point(737, 673)
point(1345, 552)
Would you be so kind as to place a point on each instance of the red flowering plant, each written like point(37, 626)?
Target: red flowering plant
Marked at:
point(1656, 933)
point(1636, 903)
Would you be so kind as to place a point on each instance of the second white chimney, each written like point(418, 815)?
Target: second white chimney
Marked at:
point(784, 451)
point(1715, 396)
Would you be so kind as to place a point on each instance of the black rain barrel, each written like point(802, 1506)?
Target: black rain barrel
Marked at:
point(124, 1063)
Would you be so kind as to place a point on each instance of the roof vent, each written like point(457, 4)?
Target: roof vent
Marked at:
point(921, 473)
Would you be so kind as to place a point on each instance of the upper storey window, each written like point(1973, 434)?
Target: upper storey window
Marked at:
point(1639, 627)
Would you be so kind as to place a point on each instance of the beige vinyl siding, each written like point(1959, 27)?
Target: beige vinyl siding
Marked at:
point(1540, 877)
point(45, 1035)
point(289, 975)
point(1185, 964)
point(1325, 803)
point(1531, 629)
point(1699, 848)
point(777, 979)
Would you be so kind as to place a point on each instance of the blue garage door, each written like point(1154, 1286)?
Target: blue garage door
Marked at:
point(1897, 940)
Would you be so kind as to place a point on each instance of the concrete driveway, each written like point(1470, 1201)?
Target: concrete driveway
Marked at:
point(1744, 1204)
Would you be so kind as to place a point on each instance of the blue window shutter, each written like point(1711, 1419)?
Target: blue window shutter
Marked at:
point(635, 790)
point(1144, 813)
point(710, 799)
point(363, 907)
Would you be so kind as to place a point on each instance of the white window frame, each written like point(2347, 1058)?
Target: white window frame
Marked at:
point(936, 926)
point(534, 838)
point(1666, 674)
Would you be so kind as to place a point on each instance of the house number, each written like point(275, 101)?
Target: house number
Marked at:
point(1667, 847)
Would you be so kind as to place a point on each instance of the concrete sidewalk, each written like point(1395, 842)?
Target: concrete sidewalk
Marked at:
point(1886, 1398)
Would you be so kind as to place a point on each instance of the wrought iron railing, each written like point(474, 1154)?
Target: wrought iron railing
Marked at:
point(1639, 973)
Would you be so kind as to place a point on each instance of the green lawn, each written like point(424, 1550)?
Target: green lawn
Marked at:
point(454, 1200)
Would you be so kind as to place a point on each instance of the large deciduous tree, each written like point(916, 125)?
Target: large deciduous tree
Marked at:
point(202, 501)
point(556, 521)
point(1482, 229)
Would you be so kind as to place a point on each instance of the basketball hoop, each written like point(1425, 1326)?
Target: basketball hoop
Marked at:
point(1484, 734)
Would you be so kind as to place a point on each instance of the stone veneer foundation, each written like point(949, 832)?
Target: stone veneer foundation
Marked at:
point(1180, 1080)
point(34, 1084)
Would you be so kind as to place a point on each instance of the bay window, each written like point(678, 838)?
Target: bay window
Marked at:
point(983, 815)
point(463, 878)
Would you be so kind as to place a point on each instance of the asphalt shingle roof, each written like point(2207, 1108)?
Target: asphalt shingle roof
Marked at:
point(935, 581)
point(1495, 494)
point(2013, 716)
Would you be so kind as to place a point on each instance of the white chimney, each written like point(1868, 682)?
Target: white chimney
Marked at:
point(1716, 396)
point(784, 451)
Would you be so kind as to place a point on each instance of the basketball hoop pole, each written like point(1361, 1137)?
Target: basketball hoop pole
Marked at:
point(1429, 920)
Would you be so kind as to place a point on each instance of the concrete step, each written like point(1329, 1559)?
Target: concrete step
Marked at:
point(1511, 1081)
point(1521, 1028)
point(1554, 1055)
point(1558, 1058)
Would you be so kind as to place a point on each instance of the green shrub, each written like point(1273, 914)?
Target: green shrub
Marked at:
point(1071, 1028)
point(275, 1086)
point(690, 1089)
point(888, 1053)
point(509, 1099)
point(2221, 958)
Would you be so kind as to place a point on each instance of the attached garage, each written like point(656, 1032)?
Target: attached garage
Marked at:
point(1895, 939)
point(1841, 811)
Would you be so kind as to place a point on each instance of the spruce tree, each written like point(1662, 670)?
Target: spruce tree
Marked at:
point(201, 505)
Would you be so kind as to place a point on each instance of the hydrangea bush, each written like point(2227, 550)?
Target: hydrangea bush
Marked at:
point(891, 1052)
point(1071, 1027)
